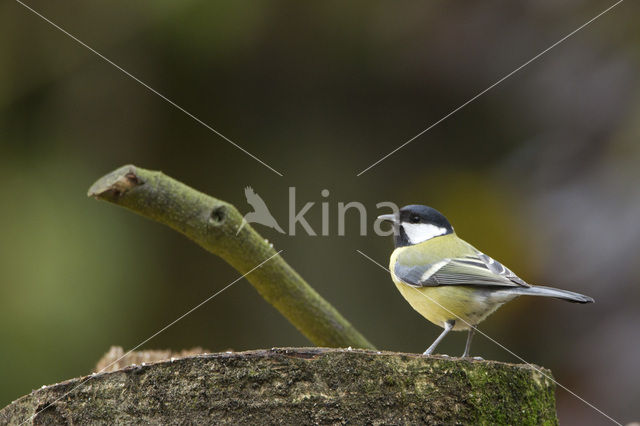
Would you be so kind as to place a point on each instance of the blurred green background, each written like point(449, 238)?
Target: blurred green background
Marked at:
point(541, 173)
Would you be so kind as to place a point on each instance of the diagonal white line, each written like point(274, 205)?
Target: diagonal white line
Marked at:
point(492, 86)
point(503, 347)
point(133, 77)
point(86, 379)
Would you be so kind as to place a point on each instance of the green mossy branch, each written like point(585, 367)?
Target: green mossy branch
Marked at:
point(213, 224)
point(299, 386)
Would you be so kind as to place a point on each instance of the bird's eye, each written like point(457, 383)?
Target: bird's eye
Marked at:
point(415, 219)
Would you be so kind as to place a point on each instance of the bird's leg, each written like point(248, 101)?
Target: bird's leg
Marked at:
point(467, 347)
point(448, 325)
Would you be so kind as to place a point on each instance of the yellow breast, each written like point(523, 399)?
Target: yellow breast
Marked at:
point(442, 304)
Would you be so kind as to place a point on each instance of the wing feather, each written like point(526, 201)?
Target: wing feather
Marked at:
point(472, 270)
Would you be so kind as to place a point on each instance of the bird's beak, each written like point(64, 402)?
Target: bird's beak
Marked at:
point(388, 217)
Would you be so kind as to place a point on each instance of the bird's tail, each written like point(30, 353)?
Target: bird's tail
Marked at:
point(539, 290)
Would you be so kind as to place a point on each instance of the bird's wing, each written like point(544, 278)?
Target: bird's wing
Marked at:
point(498, 268)
point(472, 270)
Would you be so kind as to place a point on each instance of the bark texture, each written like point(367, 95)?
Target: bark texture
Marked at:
point(298, 386)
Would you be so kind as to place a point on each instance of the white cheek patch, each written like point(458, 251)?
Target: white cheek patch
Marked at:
point(420, 232)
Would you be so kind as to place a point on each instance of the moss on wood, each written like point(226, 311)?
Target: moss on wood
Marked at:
point(299, 386)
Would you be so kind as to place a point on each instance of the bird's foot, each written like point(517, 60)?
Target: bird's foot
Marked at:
point(478, 358)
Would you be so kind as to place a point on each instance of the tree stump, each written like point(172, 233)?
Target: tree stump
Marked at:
point(298, 386)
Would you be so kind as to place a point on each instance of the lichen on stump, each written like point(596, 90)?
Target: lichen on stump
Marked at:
point(299, 386)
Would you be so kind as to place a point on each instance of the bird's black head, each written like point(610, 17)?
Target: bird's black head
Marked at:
point(417, 224)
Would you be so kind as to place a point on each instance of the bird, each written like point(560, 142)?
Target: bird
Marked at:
point(260, 213)
point(447, 280)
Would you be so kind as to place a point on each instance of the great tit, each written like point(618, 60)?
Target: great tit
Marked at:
point(447, 280)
